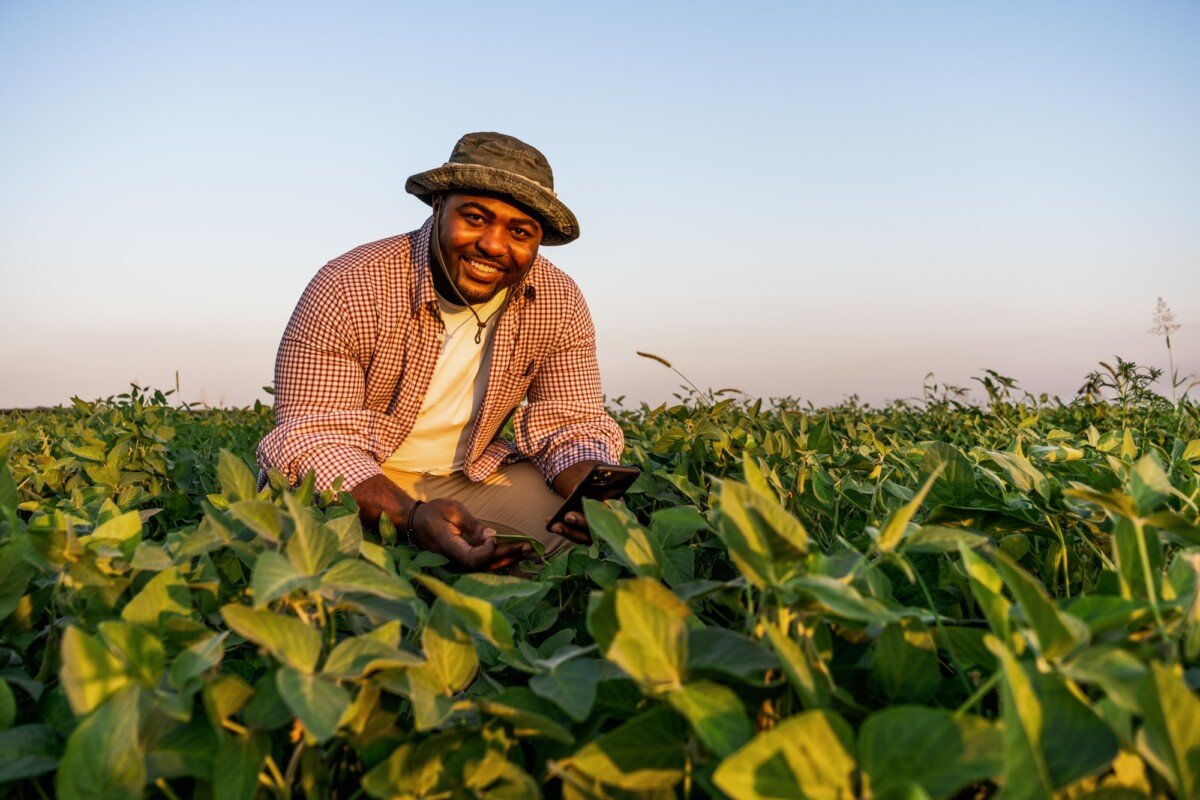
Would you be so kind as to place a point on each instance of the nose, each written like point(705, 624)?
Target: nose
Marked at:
point(491, 241)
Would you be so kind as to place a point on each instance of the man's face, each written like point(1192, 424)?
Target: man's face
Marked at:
point(488, 244)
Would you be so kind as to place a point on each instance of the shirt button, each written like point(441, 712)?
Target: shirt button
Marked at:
point(441, 337)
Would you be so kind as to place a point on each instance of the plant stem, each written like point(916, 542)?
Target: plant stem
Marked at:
point(978, 694)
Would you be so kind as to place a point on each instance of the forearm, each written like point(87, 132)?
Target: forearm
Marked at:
point(377, 496)
point(565, 482)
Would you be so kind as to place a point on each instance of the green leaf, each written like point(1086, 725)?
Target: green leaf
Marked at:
point(763, 539)
point(354, 575)
point(8, 706)
point(940, 539)
point(104, 759)
point(891, 533)
point(139, 650)
point(286, 638)
point(1075, 740)
point(987, 585)
point(905, 664)
point(225, 695)
point(235, 769)
point(1148, 483)
point(931, 747)
point(28, 750)
point(178, 749)
point(274, 577)
point(197, 659)
point(1170, 738)
point(237, 482)
point(641, 627)
point(449, 650)
point(502, 591)
point(312, 547)
point(810, 755)
point(728, 654)
point(479, 615)
point(642, 754)
point(120, 528)
point(15, 572)
point(843, 600)
point(519, 709)
point(166, 595)
point(1056, 633)
point(570, 685)
point(89, 674)
point(629, 541)
point(805, 670)
point(675, 526)
point(1025, 772)
point(1021, 474)
point(260, 516)
point(1139, 556)
point(956, 486)
point(430, 705)
point(716, 715)
point(317, 703)
point(359, 656)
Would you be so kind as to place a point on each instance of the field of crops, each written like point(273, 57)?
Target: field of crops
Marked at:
point(927, 600)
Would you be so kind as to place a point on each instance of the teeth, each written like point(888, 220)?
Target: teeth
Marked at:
point(482, 267)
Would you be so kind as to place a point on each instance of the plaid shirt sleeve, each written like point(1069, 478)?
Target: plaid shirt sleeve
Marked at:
point(320, 419)
point(565, 420)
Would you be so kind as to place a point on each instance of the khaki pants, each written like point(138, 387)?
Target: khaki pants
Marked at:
point(513, 499)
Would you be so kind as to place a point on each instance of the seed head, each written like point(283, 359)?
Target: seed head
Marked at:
point(1164, 320)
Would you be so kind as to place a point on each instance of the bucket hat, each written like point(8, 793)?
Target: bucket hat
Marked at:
point(495, 162)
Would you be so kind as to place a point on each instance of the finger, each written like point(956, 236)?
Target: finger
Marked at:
point(477, 535)
point(509, 549)
point(462, 551)
point(507, 553)
point(481, 532)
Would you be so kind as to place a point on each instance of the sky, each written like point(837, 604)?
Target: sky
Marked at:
point(804, 199)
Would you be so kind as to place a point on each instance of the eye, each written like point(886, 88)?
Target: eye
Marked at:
point(520, 233)
point(473, 218)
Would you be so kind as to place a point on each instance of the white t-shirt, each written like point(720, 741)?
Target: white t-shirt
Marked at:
point(438, 442)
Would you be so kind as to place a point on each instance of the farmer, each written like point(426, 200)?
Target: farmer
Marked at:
point(405, 358)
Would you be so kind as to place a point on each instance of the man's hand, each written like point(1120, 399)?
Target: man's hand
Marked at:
point(446, 527)
point(442, 526)
point(574, 526)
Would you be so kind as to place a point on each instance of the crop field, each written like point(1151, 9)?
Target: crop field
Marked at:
point(930, 599)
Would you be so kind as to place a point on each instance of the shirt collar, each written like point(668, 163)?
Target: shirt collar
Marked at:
point(423, 292)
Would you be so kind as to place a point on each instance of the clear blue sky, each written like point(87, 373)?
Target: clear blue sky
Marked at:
point(807, 199)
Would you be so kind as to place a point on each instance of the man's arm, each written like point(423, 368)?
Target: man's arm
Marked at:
point(565, 422)
point(441, 526)
point(320, 419)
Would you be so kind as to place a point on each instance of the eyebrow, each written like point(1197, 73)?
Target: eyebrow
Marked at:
point(490, 215)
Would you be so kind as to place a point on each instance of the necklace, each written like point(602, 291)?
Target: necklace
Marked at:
point(481, 325)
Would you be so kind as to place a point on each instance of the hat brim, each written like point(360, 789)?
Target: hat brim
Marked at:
point(559, 225)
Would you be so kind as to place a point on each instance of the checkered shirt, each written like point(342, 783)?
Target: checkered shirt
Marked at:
point(358, 354)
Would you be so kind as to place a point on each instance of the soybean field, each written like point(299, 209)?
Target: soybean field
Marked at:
point(929, 599)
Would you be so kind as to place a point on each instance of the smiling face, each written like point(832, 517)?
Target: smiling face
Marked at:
point(487, 243)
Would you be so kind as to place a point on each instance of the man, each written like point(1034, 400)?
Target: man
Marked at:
point(406, 357)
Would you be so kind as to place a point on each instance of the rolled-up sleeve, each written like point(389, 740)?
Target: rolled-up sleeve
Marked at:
point(320, 420)
point(565, 420)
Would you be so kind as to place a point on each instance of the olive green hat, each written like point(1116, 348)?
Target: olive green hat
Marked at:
point(494, 162)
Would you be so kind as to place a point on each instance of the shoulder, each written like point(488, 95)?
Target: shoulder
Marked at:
point(367, 261)
point(554, 287)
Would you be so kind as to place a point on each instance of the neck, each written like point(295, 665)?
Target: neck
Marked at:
point(441, 281)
